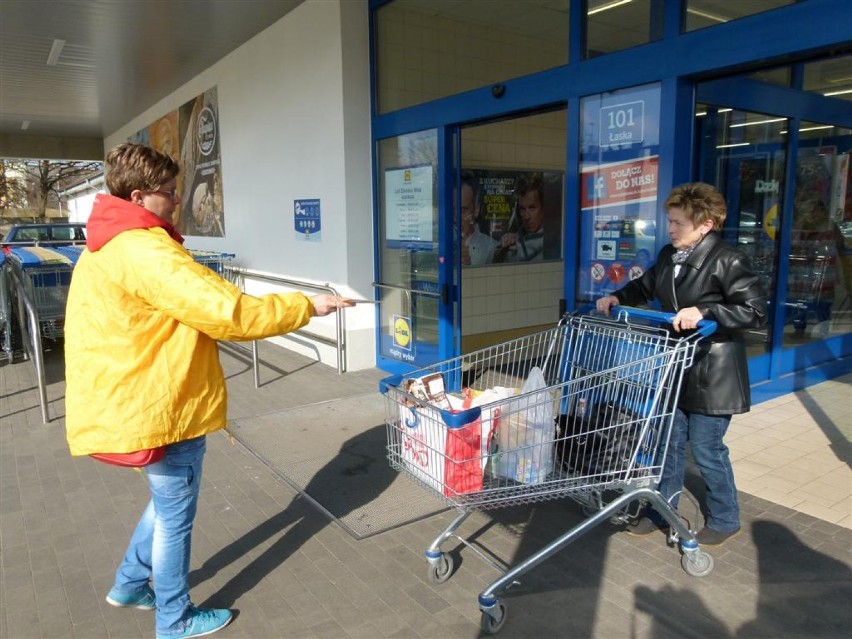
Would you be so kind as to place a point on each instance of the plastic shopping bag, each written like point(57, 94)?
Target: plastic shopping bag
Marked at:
point(445, 458)
point(526, 434)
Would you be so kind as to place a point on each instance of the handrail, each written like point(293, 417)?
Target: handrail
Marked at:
point(339, 320)
point(26, 305)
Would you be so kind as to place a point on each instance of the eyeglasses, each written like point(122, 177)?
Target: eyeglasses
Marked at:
point(170, 194)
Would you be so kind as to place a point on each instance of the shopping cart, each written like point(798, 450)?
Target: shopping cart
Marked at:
point(5, 309)
point(583, 410)
point(45, 274)
point(214, 260)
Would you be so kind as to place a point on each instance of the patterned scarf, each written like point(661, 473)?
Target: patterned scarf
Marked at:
point(681, 255)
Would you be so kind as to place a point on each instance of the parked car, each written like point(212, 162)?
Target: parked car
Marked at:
point(50, 233)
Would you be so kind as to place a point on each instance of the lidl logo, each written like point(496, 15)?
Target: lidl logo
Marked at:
point(402, 332)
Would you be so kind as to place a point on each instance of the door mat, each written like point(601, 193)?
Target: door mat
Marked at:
point(334, 454)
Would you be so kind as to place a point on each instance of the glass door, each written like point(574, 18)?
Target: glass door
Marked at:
point(511, 203)
point(415, 248)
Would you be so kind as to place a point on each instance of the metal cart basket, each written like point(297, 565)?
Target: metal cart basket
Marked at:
point(575, 411)
point(46, 275)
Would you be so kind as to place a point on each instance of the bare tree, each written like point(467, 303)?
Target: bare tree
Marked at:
point(36, 184)
point(13, 187)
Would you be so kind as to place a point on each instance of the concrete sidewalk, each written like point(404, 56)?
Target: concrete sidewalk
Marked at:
point(270, 553)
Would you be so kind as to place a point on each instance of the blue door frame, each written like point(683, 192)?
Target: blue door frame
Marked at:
point(677, 61)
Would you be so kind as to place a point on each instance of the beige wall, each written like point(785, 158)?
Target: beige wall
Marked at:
point(50, 148)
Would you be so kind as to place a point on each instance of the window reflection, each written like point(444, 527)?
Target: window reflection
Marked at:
point(430, 49)
point(614, 25)
point(818, 280)
point(745, 160)
point(708, 13)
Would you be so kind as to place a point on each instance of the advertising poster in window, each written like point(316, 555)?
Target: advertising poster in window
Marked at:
point(190, 135)
point(618, 189)
point(410, 208)
point(510, 216)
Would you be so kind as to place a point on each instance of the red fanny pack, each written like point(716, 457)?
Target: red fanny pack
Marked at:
point(132, 460)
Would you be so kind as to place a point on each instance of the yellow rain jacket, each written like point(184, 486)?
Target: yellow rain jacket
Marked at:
point(142, 320)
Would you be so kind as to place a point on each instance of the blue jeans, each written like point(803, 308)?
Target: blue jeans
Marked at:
point(705, 434)
point(160, 545)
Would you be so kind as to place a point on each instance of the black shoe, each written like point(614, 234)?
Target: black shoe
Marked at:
point(644, 526)
point(709, 537)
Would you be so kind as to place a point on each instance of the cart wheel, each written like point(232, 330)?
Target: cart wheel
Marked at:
point(441, 571)
point(491, 626)
point(697, 564)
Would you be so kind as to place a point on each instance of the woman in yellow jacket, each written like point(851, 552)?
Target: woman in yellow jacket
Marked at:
point(142, 369)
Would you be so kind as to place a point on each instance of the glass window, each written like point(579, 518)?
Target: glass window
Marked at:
point(429, 49)
point(707, 13)
point(821, 240)
point(619, 209)
point(745, 162)
point(408, 246)
point(613, 25)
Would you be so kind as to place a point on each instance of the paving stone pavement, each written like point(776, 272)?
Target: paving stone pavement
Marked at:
point(264, 550)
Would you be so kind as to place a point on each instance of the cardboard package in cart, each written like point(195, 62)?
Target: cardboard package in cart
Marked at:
point(447, 458)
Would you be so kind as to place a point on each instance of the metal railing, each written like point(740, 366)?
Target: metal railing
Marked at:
point(30, 331)
point(238, 275)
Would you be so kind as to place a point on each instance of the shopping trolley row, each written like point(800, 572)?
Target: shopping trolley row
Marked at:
point(583, 410)
point(44, 275)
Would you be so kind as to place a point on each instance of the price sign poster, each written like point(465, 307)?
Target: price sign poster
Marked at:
point(410, 213)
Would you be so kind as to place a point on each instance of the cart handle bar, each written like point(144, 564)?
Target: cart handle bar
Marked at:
point(705, 327)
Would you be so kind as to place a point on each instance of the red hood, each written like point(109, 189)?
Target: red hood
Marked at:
point(111, 215)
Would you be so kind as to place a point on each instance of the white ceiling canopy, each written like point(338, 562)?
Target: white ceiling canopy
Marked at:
point(84, 68)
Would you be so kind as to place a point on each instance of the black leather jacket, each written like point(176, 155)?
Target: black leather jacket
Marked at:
point(718, 280)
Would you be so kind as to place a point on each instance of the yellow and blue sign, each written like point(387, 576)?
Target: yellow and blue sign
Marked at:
point(402, 334)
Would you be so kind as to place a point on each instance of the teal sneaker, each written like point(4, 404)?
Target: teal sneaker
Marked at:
point(202, 621)
point(141, 599)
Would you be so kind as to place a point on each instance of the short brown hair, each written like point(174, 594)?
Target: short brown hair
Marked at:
point(700, 202)
point(136, 166)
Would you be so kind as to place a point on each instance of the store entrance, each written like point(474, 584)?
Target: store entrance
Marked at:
point(784, 168)
point(510, 217)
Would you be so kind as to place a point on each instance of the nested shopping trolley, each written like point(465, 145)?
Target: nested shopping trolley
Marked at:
point(583, 410)
point(45, 275)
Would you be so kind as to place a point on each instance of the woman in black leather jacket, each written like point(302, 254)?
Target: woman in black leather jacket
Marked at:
point(698, 276)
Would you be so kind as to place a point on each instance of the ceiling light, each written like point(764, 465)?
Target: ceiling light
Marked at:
point(756, 122)
point(607, 6)
point(55, 52)
point(704, 14)
point(728, 146)
point(25, 125)
point(817, 128)
point(700, 114)
point(843, 92)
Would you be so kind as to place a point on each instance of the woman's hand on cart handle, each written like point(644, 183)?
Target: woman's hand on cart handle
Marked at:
point(687, 319)
point(705, 327)
point(604, 304)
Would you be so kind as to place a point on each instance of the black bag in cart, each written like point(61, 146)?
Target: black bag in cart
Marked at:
point(601, 442)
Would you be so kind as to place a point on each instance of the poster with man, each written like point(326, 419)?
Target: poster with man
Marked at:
point(510, 216)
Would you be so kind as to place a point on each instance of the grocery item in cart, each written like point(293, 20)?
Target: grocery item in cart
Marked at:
point(597, 440)
point(446, 457)
point(525, 434)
